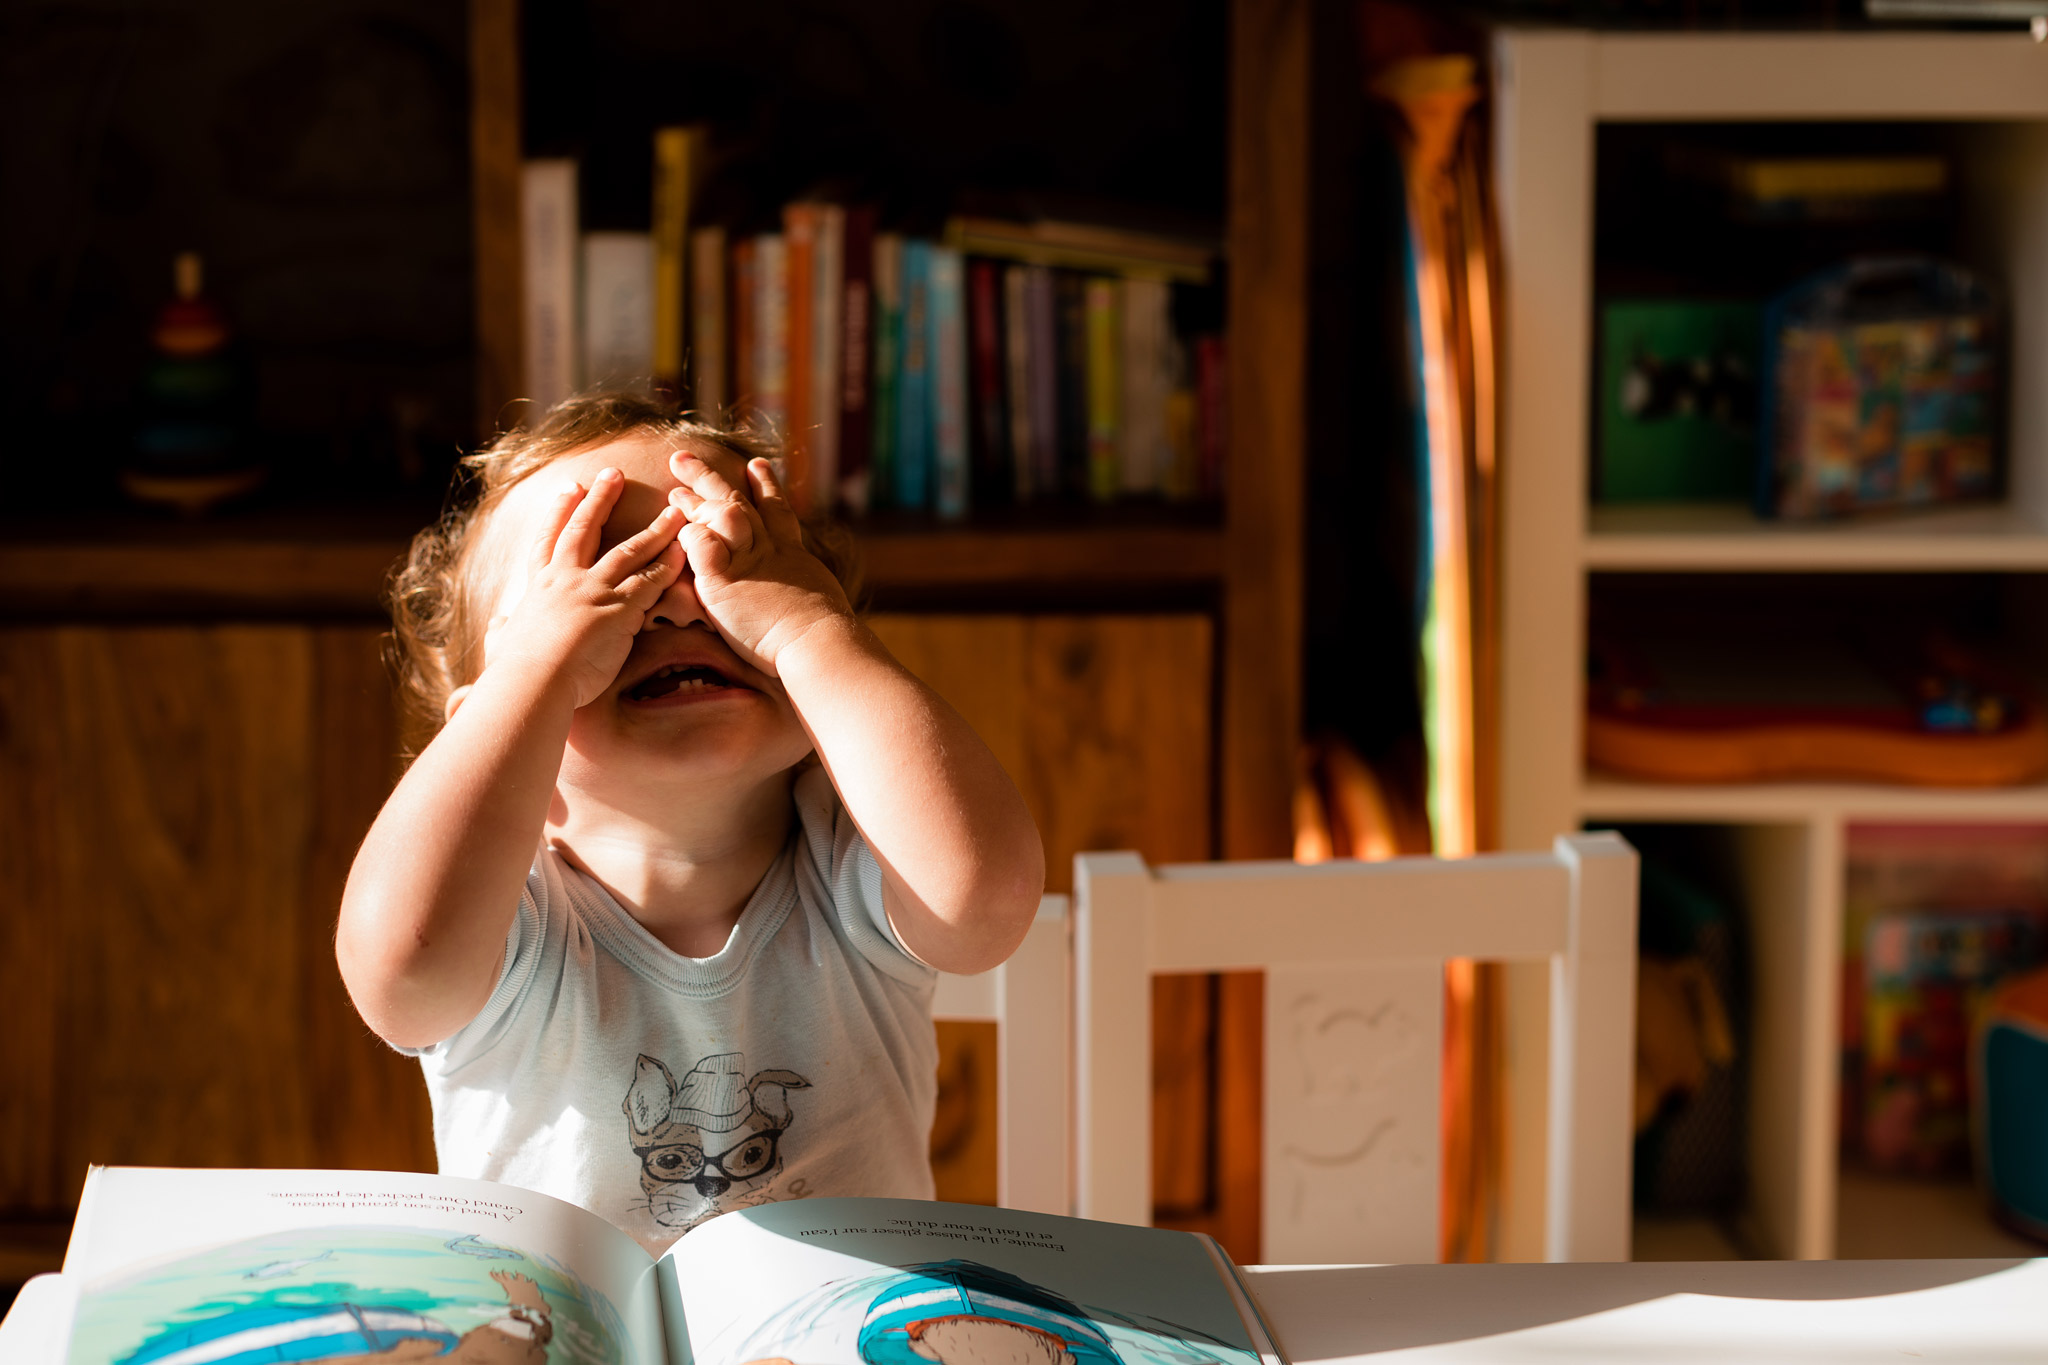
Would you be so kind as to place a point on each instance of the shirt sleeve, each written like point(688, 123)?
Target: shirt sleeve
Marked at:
point(523, 942)
point(839, 855)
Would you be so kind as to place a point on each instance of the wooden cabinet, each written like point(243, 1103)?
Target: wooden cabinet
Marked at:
point(182, 805)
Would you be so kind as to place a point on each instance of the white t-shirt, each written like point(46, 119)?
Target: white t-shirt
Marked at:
point(658, 1090)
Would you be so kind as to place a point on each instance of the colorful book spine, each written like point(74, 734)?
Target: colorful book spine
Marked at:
point(913, 390)
point(710, 372)
point(828, 300)
point(1042, 326)
point(771, 332)
point(946, 300)
point(887, 360)
point(857, 376)
point(675, 167)
point(550, 242)
point(1104, 394)
point(1212, 413)
point(618, 309)
point(1184, 468)
point(1144, 459)
point(799, 425)
point(1017, 379)
point(989, 448)
point(746, 298)
point(1070, 305)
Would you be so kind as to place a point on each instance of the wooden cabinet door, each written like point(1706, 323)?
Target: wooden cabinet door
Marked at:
point(1106, 725)
point(182, 804)
point(1104, 722)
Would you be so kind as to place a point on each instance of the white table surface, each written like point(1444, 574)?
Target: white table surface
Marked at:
point(1808, 1312)
point(1798, 1312)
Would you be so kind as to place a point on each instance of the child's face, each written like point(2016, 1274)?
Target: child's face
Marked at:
point(683, 708)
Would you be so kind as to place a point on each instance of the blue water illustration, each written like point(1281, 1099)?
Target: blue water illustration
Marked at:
point(337, 1294)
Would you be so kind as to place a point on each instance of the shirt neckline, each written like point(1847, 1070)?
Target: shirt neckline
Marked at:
point(634, 945)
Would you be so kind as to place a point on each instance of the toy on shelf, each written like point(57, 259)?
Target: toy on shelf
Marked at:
point(2011, 1109)
point(1928, 975)
point(1881, 386)
point(1682, 708)
point(1677, 400)
point(189, 442)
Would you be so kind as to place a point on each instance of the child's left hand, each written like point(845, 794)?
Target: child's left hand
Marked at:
point(757, 582)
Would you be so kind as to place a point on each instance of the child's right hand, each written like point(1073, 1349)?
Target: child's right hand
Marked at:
point(577, 616)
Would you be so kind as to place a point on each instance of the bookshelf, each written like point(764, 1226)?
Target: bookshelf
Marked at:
point(1043, 564)
point(1987, 95)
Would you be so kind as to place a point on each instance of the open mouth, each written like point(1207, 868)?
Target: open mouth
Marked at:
point(678, 679)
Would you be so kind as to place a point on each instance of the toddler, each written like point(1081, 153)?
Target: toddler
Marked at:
point(659, 907)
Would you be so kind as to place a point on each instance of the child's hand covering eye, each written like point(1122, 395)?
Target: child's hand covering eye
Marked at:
point(580, 611)
point(757, 582)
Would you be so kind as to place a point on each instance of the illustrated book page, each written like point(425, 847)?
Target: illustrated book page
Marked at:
point(214, 1267)
point(906, 1282)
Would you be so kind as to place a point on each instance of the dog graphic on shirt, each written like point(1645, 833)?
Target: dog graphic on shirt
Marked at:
point(710, 1142)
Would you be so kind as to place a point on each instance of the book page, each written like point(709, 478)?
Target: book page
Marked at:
point(904, 1282)
point(177, 1267)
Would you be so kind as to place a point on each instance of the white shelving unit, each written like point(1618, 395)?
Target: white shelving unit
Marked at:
point(1555, 90)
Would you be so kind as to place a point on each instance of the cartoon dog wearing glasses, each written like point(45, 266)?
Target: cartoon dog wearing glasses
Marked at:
point(711, 1141)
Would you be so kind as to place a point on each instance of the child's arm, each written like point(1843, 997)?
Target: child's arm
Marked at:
point(435, 885)
point(962, 866)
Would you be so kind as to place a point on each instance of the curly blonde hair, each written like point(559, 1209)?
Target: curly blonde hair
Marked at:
point(439, 607)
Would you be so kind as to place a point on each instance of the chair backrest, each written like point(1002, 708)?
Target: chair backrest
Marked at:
point(1030, 998)
point(1353, 955)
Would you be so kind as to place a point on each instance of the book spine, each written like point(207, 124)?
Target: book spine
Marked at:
point(1212, 413)
point(1017, 379)
point(1141, 437)
point(857, 379)
point(1070, 300)
point(1183, 425)
point(618, 312)
point(913, 392)
point(549, 243)
point(828, 339)
point(771, 332)
point(888, 368)
point(674, 166)
point(746, 349)
point(1104, 341)
point(710, 388)
point(799, 430)
point(947, 300)
point(990, 428)
point(1042, 324)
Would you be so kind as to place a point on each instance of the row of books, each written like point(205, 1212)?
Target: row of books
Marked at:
point(1001, 363)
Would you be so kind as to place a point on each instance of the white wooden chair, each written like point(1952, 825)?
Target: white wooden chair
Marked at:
point(1030, 998)
point(1353, 955)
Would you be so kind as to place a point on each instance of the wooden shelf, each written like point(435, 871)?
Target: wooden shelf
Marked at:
point(1094, 557)
point(1729, 538)
point(1606, 798)
point(1879, 1217)
point(271, 574)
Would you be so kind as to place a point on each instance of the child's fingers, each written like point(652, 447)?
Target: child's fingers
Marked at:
point(644, 586)
point(709, 556)
point(734, 521)
point(577, 546)
point(777, 516)
point(632, 553)
point(559, 512)
point(714, 477)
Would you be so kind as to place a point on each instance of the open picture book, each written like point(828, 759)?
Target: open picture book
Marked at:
point(207, 1267)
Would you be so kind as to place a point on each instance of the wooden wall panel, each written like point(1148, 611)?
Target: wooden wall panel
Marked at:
point(30, 928)
point(1102, 721)
point(198, 792)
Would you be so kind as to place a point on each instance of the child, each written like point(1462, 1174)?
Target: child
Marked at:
point(653, 958)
